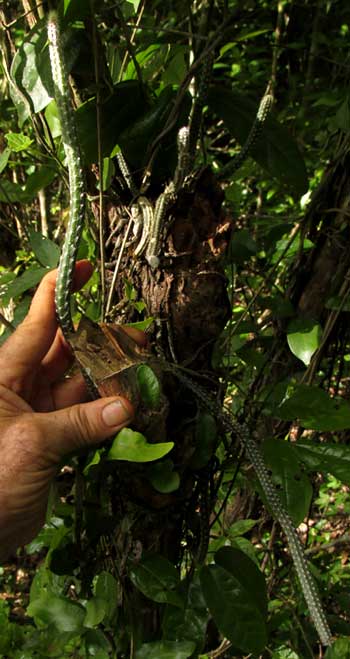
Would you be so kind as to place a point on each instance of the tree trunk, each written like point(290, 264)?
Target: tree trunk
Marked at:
point(187, 297)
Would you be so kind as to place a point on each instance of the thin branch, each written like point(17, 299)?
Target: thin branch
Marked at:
point(130, 46)
point(135, 27)
point(344, 540)
point(115, 274)
point(277, 49)
point(100, 164)
point(223, 647)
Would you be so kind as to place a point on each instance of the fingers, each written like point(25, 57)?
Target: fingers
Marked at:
point(82, 274)
point(70, 392)
point(23, 352)
point(84, 425)
point(60, 395)
point(58, 359)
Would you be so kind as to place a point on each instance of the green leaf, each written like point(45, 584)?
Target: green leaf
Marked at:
point(95, 611)
point(20, 103)
point(76, 10)
point(18, 142)
point(143, 131)
point(166, 650)
point(241, 247)
point(62, 613)
point(247, 574)
point(142, 324)
point(275, 150)
point(108, 172)
point(31, 69)
point(163, 477)
point(133, 447)
point(190, 623)
point(5, 279)
point(11, 636)
point(238, 542)
point(340, 649)
point(52, 118)
point(175, 71)
point(327, 457)
point(22, 283)
point(304, 337)
point(284, 652)
point(119, 111)
point(95, 460)
point(45, 251)
point(315, 409)
point(136, 139)
point(11, 192)
point(206, 440)
point(241, 527)
point(149, 386)
point(41, 179)
point(157, 578)
point(96, 644)
point(4, 158)
point(342, 117)
point(251, 34)
point(135, 4)
point(106, 588)
point(296, 489)
point(235, 612)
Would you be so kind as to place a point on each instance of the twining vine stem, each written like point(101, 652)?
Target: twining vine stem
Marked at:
point(255, 457)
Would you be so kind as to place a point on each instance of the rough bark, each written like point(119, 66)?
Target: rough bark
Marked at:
point(187, 298)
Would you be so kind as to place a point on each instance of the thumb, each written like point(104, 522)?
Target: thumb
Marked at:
point(83, 425)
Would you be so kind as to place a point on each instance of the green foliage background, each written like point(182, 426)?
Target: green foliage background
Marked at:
point(285, 363)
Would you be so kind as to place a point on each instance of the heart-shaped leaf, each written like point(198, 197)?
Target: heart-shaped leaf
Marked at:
point(304, 338)
point(340, 649)
point(96, 608)
point(296, 490)
point(158, 579)
point(62, 613)
point(163, 477)
point(149, 386)
point(46, 251)
point(327, 457)
point(234, 610)
point(134, 447)
point(315, 409)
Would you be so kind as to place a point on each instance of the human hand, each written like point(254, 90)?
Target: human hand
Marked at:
point(42, 416)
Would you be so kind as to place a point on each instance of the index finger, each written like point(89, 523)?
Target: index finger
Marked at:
point(22, 353)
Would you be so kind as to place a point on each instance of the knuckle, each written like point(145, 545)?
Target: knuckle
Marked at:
point(81, 427)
